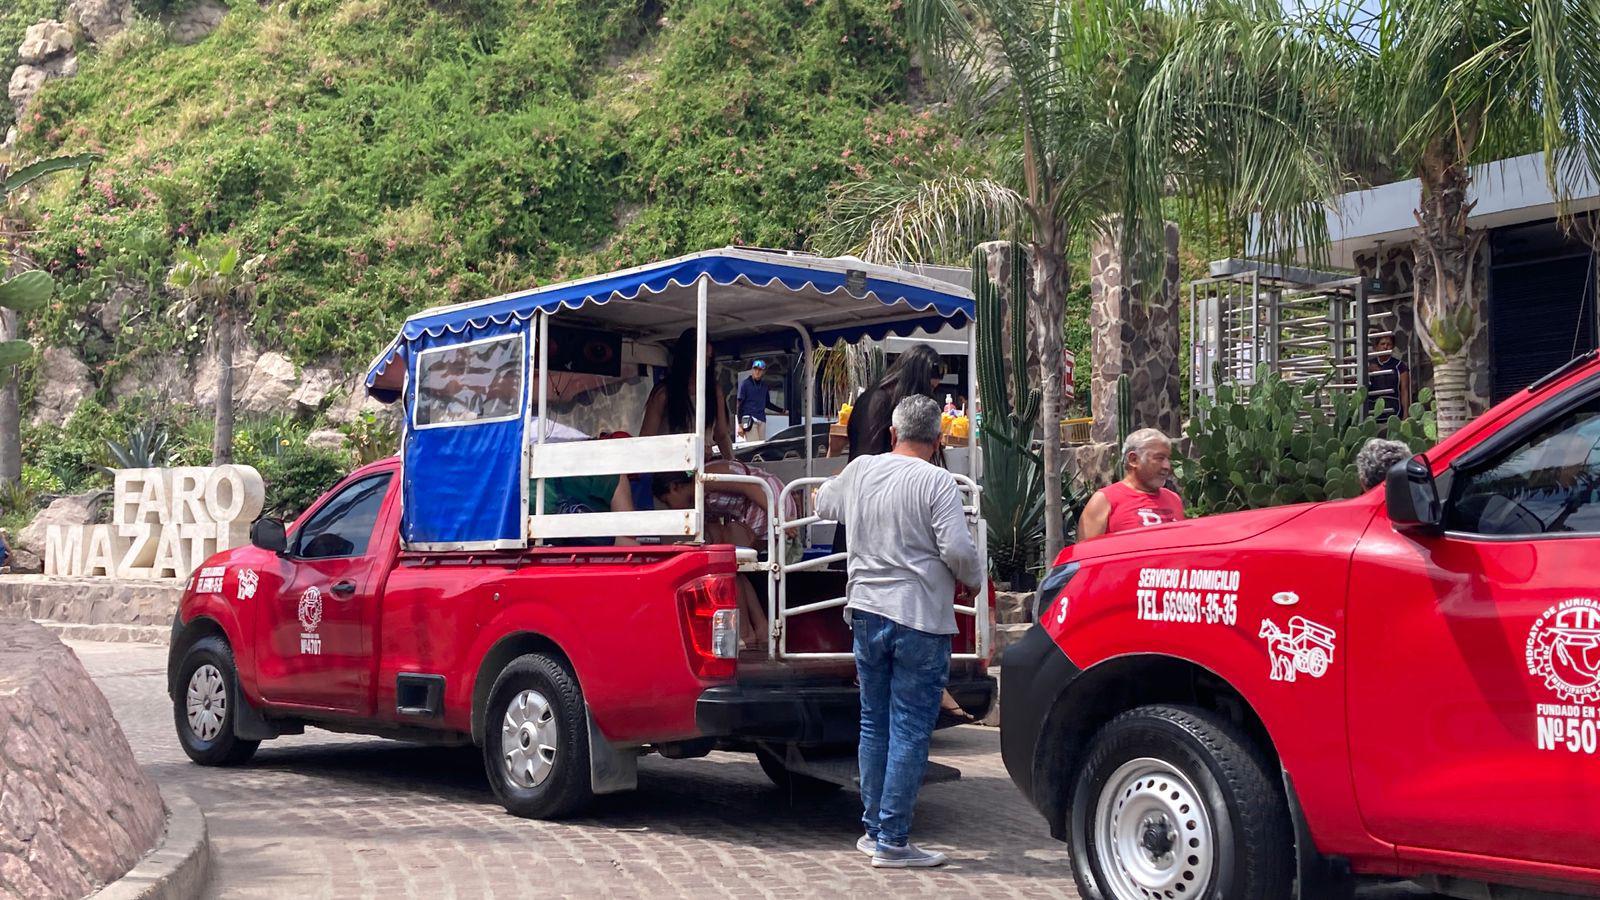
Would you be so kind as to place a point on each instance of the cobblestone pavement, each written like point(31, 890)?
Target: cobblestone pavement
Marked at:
point(323, 815)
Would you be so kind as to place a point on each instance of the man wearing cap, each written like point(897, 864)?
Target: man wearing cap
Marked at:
point(753, 400)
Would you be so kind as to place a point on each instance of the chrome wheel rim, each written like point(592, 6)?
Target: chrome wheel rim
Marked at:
point(206, 702)
point(528, 738)
point(1153, 835)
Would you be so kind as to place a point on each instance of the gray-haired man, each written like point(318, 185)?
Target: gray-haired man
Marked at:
point(909, 546)
point(1376, 458)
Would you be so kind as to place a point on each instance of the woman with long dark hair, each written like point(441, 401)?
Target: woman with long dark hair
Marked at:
point(917, 371)
point(670, 409)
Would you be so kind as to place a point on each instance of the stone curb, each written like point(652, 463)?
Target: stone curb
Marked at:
point(178, 867)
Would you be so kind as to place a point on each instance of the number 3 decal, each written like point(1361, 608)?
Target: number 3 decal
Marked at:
point(1061, 610)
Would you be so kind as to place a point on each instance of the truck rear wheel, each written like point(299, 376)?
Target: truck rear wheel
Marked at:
point(204, 708)
point(1175, 802)
point(536, 740)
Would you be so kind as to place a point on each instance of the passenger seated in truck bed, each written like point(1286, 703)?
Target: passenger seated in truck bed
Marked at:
point(585, 494)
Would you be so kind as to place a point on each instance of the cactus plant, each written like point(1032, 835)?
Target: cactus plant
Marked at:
point(1124, 410)
point(1274, 443)
point(1014, 475)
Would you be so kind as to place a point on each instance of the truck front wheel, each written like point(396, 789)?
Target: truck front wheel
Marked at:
point(1174, 801)
point(536, 740)
point(206, 705)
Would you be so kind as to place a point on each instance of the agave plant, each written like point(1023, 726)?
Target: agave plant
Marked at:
point(146, 448)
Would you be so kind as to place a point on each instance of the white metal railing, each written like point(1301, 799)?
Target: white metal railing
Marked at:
point(621, 456)
point(777, 612)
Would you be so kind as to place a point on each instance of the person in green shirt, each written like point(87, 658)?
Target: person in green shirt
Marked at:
point(586, 494)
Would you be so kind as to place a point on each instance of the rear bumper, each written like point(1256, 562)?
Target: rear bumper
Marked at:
point(807, 715)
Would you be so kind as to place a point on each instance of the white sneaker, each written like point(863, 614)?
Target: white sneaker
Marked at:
point(908, 857)
point(867, 844)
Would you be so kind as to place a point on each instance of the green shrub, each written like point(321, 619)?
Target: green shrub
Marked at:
point(1274, 444)
point(299, 475)
point(387, 155)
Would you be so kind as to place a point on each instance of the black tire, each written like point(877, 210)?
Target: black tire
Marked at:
point(565, 788)
point(793, 783)
point(1252, 851)
point(220, 747)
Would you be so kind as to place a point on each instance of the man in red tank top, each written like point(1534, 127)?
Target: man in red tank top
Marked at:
point(1141, 498)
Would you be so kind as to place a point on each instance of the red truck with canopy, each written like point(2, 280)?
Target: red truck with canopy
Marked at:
point(437, 597)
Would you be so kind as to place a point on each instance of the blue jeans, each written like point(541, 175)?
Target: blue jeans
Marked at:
point(902, 673)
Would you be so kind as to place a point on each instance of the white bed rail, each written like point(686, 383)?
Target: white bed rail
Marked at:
point(777, 613)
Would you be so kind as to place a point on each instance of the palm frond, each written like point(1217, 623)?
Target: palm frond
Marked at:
point(941, 218)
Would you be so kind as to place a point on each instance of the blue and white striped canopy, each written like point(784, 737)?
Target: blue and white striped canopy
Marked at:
point(756, 298)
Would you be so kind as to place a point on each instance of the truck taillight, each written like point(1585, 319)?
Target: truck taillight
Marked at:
point(709, 606)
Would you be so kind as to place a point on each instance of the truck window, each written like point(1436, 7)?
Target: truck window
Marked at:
point(470, 384)
point(1548, 484)
point(344, 525)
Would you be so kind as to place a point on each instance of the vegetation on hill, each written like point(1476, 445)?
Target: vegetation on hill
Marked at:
point(387, 155)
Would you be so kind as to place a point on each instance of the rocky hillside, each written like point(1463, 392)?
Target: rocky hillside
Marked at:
point(387, 155)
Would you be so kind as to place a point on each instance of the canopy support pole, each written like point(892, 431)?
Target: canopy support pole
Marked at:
point(808, 366)
point(700, 408)
point(541, 426)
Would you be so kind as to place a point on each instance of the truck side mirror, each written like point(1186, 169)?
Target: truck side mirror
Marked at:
point(1413, 497)
point(268, 534)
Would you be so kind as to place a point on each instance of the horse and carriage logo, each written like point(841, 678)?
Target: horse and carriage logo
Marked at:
point(1305, 647)
point(1564, 649)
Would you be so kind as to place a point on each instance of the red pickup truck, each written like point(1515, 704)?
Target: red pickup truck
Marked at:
point(1405, 684)
point(564, 664)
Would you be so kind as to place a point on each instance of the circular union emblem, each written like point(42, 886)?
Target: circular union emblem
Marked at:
point(1564, 649)
point(311, 608)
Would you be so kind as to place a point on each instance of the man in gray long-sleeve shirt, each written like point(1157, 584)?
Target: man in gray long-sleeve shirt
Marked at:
point(909, 546)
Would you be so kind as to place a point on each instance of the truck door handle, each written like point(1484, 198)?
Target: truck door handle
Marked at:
point(344, 588)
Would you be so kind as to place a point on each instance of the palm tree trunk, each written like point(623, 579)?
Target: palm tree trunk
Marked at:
point(10, 412)
point(1050, 283)
point(1446, 253)
point(222, 439)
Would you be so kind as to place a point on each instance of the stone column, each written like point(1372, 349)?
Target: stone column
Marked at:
point(1134, 332)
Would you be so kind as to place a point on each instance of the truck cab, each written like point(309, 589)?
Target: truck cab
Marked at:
point(1271, 703)
point(438, 597)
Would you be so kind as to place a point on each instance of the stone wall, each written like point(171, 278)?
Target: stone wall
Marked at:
point(93, 608)
point(76, 811)
point(1134, 332)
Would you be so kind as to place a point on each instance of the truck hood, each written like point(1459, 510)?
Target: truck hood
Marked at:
point(1223, 529)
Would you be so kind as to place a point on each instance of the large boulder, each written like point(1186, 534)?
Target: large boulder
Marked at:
point(44, 41)
point(101, 19)
point(28, 79)
point(316, 384)
point(168, 376)
point(76, 810)
point(267, 385)
point(63, 383)
point(198, 21)
point(76, 509)
point(326, 439)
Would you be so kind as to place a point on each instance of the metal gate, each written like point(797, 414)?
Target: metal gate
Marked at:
point(1300, 329)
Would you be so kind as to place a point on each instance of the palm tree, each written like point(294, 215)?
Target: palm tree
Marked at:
point(21, 293)
point(1093, 114)
point(1449, 84)
point(212, 277)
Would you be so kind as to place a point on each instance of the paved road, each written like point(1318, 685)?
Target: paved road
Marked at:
point(323, 815)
